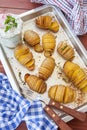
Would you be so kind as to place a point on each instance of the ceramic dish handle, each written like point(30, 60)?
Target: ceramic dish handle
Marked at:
point(60, 123)
point(76, 114)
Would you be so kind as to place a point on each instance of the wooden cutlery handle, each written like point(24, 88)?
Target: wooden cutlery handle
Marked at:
point(60, 123)
point(79, 115)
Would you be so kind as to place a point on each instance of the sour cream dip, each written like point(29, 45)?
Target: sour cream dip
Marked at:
point(10, 31)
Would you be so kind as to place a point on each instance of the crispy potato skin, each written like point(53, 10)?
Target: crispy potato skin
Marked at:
point(24, 56)
point(35, 83)
point(31, 37)
point(66, 51)
point(76, 74)
point(38, 48)
point(62, 94)
point(46, 68)
point(48, 43)
point(47, 22)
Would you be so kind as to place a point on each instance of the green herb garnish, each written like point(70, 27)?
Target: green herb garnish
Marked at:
point(10, 23)
point(63, 47)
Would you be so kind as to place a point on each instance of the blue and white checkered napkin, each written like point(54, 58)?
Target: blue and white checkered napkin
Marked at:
point(14, 109)
point(75, 11)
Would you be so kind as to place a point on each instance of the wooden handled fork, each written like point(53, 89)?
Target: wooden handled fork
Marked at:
point(76, 114)
point(59, 122)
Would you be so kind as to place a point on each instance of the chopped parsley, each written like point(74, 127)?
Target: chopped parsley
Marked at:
point(10, 22)
point(63, 47)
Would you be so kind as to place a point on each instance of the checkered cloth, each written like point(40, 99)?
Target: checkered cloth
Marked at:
point(14, 109)
point(75, 12)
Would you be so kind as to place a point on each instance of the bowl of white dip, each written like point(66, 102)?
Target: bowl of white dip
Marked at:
point(10, 30)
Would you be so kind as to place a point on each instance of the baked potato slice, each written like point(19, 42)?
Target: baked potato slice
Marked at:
point(35, 83)
point(48, 43)
point(23, 59)
point(61, 93)
point(52, 91)
point(54, 26)
point(65, 50)
point(30, 64)
point(78, 75)
point(20, 49)
point(69, 95)
point(82, 84)
point(69, 68)
point(46, 68)
point(24, 56)
point(31, 37)
point(84, 89)
point(38, 48)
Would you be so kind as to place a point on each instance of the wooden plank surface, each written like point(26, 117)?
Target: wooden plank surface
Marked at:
point(83, 39)
point(20, 6)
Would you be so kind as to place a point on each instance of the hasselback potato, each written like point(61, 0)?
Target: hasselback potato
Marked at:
point(47, 22)
point(76, 74)
point(24, 56)
point(35, 83)
point(48, 43)
point(46, 68)
point(43, 21)
point(65, 50)
point(31, 37)
point(61, 93)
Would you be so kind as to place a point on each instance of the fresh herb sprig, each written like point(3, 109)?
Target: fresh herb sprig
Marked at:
point(10, 22)
point(63, 48)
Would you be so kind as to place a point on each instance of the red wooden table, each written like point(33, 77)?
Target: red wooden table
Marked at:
point(20, 6)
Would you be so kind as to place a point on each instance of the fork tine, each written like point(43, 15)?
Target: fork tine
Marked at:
point(31, 95)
